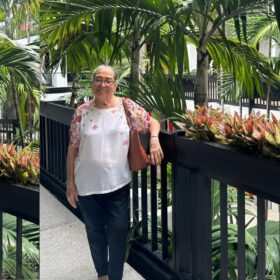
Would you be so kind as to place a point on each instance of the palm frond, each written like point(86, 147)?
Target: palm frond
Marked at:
point(277, 11)
point(160, 93)
point(262, 27)
point(22, 60)
point(248, 65)
point(30, 245)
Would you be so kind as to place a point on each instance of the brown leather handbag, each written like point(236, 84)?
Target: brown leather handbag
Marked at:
point(137, 156)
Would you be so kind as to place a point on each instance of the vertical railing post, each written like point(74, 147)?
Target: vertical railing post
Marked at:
point(1, 245)
point(224, 231)
point(241, 234)
point(15, 124)
point(135, 198)
point(144, 206)
point(251, 104)
point(19, 250)
point(154, 207)
point(201, 228)
point(181, 217)
point(261, 237)
point(191, 222)
point(164, 211)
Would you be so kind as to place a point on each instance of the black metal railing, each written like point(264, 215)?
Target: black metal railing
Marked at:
point(22, 203)
point(8, 130)
point(213, 95)
point(176, 234)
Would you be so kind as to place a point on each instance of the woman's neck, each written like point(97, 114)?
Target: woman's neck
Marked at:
point(105, 103)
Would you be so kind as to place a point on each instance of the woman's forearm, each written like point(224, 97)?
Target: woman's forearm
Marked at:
point(71, 156)
point(156, 154)
point(154, 128)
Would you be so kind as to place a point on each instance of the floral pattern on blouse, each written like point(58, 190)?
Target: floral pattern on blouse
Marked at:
point(139, 117)
point(75, 135)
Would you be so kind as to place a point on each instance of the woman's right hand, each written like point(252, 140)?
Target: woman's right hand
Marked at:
point(72, 194)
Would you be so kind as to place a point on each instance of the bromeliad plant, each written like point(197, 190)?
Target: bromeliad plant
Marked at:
point(253, 134)
point(20, 167)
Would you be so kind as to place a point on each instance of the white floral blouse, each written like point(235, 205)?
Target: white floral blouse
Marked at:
point(139, 117)
point(102, 139)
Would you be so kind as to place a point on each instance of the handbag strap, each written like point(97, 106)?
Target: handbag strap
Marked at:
point(127, 115)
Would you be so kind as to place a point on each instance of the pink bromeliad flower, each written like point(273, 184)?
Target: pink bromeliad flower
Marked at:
point(23, 161)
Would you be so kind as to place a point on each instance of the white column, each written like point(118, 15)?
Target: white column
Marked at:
point(57, 79)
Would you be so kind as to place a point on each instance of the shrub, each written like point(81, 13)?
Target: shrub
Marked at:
point(253, 134)
point(22, 167)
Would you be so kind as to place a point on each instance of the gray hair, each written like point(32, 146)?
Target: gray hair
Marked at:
point(104, 66)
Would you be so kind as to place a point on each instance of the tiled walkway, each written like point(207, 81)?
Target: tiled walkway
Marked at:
point(64, 252)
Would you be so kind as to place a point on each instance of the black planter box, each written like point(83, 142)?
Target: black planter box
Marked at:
point(249, 172)
point(21, 201)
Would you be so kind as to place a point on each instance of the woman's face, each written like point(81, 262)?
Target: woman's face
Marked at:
point(104, 84)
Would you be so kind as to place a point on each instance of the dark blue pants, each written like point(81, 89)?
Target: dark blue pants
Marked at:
point(106, 220)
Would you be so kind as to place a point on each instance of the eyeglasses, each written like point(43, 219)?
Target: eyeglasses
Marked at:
point(100, 81)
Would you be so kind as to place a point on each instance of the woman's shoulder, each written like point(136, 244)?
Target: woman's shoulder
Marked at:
point(127, 100)
point(83, 107)
point(131, 105)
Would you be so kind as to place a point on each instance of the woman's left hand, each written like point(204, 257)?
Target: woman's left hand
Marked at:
point(156, 154)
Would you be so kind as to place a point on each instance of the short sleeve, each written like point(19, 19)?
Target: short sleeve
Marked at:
point(139, 117)
point(75, 129)
point(75, 135)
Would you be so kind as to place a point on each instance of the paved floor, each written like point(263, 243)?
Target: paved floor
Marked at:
point(64, 252)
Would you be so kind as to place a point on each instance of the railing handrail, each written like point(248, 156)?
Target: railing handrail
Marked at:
point(11, 121)
point(56, 112)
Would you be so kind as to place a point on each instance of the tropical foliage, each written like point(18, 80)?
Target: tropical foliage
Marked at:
point(19, 16)
point(20, 167)
point(19, 75)
point(252, 135)
point(277, 11)
point(22, 60)
point(30, 249)
point(107, 29)
point(159, 93)
point(20, 65)
point(251, 237)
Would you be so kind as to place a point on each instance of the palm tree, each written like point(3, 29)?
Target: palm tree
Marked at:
point(167, 26)
point(264, 27)
point(85, 50)
point(277, 11)
point(17, 12)
point(19, 65)
point(100, 41)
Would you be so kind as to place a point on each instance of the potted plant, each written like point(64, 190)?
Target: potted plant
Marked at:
point(19, 181)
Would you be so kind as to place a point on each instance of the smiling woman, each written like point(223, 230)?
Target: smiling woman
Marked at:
point(98, 173)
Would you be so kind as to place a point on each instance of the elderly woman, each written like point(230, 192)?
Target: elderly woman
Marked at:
point(98, 173)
